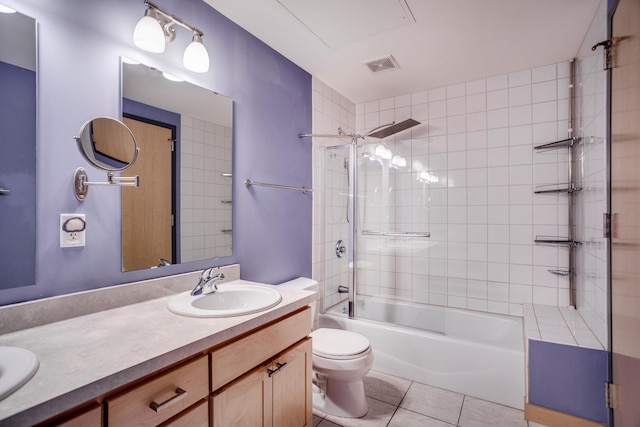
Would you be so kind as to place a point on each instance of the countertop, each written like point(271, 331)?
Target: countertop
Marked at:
point(87, 356)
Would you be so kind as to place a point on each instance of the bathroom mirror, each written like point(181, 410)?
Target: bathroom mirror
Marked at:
point(107, 144)
point(18, 106)
point(184, 133)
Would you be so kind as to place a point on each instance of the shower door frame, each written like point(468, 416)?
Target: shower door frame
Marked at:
point(352, 210)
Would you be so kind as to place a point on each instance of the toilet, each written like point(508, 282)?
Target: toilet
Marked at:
point(340, 361)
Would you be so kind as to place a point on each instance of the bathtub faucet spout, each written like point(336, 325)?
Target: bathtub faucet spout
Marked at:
point(343, 289)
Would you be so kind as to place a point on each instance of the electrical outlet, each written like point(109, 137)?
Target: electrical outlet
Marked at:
point(72, 230)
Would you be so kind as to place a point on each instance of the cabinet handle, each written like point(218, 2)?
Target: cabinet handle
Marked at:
point(180, 394)
point(278, 367)
point(4, 191)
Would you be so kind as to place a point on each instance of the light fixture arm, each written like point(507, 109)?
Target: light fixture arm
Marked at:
point(172, 18)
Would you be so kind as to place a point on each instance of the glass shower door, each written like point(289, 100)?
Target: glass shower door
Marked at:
point(338, 273)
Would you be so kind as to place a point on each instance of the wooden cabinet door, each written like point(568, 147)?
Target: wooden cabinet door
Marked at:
point(246, 402)
point(291, 384)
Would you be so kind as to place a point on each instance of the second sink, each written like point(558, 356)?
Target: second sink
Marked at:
point(231, 299)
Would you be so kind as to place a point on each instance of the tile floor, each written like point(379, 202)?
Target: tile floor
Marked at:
point(397, 402)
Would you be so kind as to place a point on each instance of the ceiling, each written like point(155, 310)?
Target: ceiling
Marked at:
point(434, 42)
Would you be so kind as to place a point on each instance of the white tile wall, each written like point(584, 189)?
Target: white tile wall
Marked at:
point(205, 150)
point(477, 139)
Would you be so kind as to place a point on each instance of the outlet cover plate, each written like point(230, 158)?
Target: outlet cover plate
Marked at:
point(72, 239)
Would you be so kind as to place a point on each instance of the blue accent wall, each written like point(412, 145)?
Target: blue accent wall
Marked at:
point(80, 44)
point(568, 379)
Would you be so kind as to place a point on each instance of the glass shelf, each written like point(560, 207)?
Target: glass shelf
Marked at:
point(562, 241)
point(563, 273)
point(570, 142)
point(557, 188)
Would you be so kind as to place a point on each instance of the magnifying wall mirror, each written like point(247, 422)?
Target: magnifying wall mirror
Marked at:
point(183, 210)
point(107, 144)
point(18, 107)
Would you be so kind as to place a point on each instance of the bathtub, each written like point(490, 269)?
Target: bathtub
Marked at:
point(473, 353)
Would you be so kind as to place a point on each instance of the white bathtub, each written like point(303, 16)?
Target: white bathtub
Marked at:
point(473, 353)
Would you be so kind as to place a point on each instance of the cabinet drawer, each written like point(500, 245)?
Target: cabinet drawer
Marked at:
point(160, 398)
point(233, 360)
point(91, 417)
point(196, 416)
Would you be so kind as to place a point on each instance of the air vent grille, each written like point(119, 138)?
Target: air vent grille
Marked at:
point(378, 65)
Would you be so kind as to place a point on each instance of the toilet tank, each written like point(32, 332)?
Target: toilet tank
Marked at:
point(308, 285)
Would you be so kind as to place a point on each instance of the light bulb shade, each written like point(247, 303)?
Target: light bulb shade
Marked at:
point(380, 149)
point(387, 154)
point(148, 34)
point(195, 56)
point(399, 161)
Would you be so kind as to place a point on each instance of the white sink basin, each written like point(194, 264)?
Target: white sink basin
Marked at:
point(229, 300)
point(17, 366)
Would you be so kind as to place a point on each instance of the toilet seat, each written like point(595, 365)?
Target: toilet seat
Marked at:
point(338, 344)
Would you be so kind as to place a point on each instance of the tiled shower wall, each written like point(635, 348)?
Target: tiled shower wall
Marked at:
point(474, 149)
point(205, 205)
point(330, 112)
point(590, 163)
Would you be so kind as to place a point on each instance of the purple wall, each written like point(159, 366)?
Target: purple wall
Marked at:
point(18, 174)
point(568, 379)
point(80, 43)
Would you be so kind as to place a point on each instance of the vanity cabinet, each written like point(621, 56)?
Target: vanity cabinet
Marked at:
point(277, 393)
point(260, 378)
point(91, 417)
point(264, 378)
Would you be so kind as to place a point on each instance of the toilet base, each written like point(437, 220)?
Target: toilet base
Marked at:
point(342, 399)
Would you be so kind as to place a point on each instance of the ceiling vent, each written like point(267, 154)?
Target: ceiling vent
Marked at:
point(379, 65)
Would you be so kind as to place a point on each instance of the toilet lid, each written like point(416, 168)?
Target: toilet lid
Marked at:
point(332, 343)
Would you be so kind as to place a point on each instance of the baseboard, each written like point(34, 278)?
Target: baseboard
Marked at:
point(551, 418)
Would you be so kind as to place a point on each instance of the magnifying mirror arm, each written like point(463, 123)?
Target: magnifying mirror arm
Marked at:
point(82, 183)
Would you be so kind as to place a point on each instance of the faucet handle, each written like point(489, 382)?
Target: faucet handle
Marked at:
point(206, 274)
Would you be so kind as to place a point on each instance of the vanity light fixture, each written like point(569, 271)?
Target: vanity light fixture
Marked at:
point(171, 77)
point(158, 27)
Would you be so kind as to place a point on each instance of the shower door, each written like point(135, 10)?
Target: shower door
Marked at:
point(401, 204)
point(385, 205)
point(336, 218)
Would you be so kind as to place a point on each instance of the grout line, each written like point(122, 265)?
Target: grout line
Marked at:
point(464, 397)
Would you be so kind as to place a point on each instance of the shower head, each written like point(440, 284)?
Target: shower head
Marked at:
point(393, 128)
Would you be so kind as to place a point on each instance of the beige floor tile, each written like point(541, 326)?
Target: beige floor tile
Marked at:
point(379, 415)
point(405, 418)
point(327, 423)
point(317, 420)
point(480, 413)
point(385, 387)
point(434, 402)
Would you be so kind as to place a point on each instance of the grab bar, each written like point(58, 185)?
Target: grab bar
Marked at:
point(248, 183)
point(397, 233)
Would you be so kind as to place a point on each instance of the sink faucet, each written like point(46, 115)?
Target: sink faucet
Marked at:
point(207, 283)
